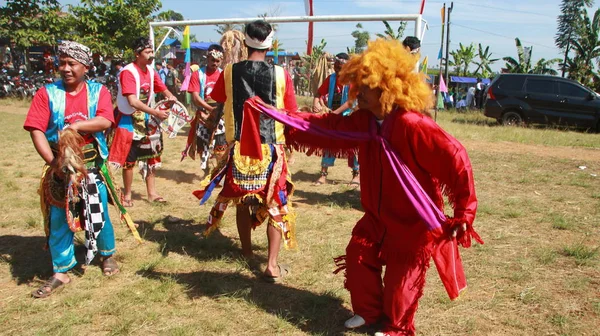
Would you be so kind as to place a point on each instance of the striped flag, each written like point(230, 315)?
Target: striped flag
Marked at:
point(185, 44)
point(424, 65)
point(309, 11)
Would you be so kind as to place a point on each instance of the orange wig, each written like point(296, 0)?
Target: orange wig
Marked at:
point(388, 66)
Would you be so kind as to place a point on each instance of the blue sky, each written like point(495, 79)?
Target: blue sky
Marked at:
point(493, 23)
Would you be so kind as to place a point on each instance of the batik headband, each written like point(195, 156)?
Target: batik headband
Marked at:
point(341, 60)
point(143, 47)
point(216, 54)
point(76, 51)
point(256, 44)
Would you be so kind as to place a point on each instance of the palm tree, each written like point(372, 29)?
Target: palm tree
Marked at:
point(456, 61)
point(587, 48)
point(390, 34)
point(463, 57)
point(544, 67)
point(523, 64)
point(485, 61)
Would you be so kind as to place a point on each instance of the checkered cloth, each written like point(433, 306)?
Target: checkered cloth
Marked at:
point(93, 214)
point(250, 182)
point(204, 134)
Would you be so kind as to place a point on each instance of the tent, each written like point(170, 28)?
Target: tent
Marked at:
point(201, 45)
point(468, 80)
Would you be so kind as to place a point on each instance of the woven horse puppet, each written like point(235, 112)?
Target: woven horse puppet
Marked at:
point(71, 166)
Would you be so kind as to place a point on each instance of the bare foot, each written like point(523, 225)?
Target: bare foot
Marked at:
point(321, 180)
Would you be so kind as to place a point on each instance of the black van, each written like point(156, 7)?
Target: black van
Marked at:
point(516, 98)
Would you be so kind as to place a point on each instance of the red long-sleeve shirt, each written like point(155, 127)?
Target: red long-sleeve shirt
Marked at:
point(435, 158)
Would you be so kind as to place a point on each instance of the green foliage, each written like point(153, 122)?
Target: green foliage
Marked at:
point(389, 33)
point(484, 62)
point(569, 20)
point(523, 63)
point(462, 58)
point(31, 22)
point(360, 38)
point(587, 48)
point(309, 61)
point(109, 27)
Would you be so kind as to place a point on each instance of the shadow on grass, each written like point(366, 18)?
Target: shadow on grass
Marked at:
point(178, 176)
point(478, 122)
point(184, 236)
point(313, 313)
point(26, 256)
point(344, 199)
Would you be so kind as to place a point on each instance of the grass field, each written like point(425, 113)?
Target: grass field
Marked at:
point(537, 274)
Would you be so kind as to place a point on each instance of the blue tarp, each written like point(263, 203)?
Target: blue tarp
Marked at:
point(172, 41)
point(282, 54)
point(201, 45)
point(467, 80)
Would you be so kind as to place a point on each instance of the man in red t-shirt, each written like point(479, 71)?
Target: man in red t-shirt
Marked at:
point(206, 134)
point(84, 107)
point(138, 137)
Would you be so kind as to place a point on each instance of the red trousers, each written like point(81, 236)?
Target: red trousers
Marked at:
point(393, 300)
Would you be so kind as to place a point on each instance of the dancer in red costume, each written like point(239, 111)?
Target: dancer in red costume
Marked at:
point(392, 232)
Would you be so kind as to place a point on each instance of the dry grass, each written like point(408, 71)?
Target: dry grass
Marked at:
point(537, 274)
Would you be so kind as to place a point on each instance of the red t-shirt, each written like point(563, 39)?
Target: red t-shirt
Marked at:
point(324, 88)
point(128, 83)
point(76, 109)
point(211, 79)
point(289, 97)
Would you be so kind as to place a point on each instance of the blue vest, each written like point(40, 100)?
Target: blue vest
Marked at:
point(57, 99)
point(202, 80)
point(332, 82)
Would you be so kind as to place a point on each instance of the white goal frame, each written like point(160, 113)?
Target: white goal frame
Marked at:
point(417, 18)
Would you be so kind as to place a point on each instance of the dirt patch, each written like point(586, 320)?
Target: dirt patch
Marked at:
point(572, 153)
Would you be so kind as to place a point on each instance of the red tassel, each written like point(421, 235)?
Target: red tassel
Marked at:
point(198, 193)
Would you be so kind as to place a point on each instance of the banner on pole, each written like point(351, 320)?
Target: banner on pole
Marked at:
point(309, 11)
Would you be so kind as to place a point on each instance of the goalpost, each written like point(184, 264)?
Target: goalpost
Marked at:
point(417, 18)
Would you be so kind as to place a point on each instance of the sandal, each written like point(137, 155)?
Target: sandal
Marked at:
point(110, 267)
point(159, 200)
point(51, 286)
point(284, 271)
point(353, 185)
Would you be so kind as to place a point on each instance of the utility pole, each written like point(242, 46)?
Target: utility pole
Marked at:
point(564, 67)
point(441, 60)
point(448, 41)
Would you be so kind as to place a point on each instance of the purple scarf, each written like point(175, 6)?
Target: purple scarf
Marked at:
point(427, 210)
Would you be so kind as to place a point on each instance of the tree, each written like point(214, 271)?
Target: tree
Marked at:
point(390, 34)
point(360, 38)
point(274, 11)
point(544, 67)
point(463, 57)
point(309, 62)
point(587, 49)
point(523, 63)
point(109, 27)
point(568, 22)
point(32, 22)
point(485, 60)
